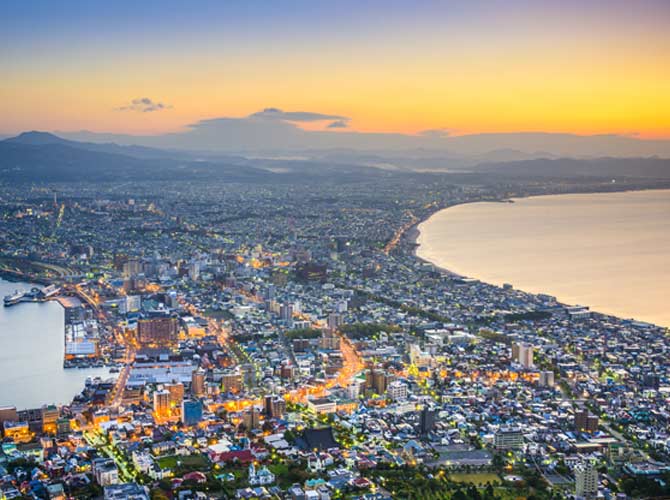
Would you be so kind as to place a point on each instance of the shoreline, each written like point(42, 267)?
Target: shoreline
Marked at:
point(412, 236)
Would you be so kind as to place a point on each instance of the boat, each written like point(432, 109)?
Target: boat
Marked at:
point(14, 298)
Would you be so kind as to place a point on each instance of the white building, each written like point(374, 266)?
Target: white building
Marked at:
point(523, 354)
point(397, 390)
point(586, 480)
point(260, 477)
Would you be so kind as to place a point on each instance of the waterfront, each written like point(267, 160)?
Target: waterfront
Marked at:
point(608, 251)
point(32, 354)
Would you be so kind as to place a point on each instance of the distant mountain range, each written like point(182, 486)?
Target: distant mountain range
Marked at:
point(44, 157)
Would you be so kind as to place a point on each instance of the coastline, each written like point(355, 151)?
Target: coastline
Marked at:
point(413, 234)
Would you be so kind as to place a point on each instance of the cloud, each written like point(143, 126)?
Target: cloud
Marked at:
point(338, 124)
point(296, 116)
point(144, 105)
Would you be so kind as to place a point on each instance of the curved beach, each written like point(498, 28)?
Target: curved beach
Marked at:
point(609, 251)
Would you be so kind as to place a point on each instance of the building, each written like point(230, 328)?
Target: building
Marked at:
point(251, 418)
point(508, 438)
point(50, 415)
point(158, 331)
point(19, 432)
point(176, 391)
point(321, 405)
point(376, 380)
point(231, 381)
point(523, 354)
point(126, 491)
point(8, 414)
point(248, 371)
point(586, 481)
point(334, 321)
point(274, 406)
point(105, 471)
point(546, 379)
point(191, 412)
point(198, 383)
point(397, 390)
point(260, 477)
point(162, 404)
point(427, 420)
point(585, 422)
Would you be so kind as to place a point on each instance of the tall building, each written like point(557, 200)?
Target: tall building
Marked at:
point(162, 404)
point(330, 341)
point(546, 379)
point(585, 422)
point(232, 381)
point(376, 380)
point(50, 416)
point(158, 331)
point(427, 420)
point(248, 371)
point(251, 418)
point(198, 383)
point(586, 480)
point(176, 390)
point(274, 406)
point(286, 312)
point(191, 412)
point(522, 353)
point(334, 321)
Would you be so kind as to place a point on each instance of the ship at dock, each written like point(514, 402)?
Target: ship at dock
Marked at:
point(14, 298)
point(34, 295)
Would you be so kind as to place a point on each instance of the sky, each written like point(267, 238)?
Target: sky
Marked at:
point(408, 67)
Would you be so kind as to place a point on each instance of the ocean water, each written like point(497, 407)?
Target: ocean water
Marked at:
point(609, 251)
point(31, 354)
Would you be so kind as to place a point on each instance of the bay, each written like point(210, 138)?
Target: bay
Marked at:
point(609, 251)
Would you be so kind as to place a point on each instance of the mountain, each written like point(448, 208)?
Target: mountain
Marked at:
point(655, 168)
point(37, 138)
point(33, 160)
point(44, 157)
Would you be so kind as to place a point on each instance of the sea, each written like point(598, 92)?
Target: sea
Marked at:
point(31, 354)
point(608, 251)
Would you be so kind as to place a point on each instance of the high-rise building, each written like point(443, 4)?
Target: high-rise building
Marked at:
point(330, 341)
point(379, 381)
point(248, 371)
point(585, 422)
point(191, 412)
point(232, 381)
point(176, 390)
point(198, 383)
point(158, 331)
point(162, 404)
point(427, 420)
point(50, 416)
point(131, 268)
point(251, 418)
point(62, 428)
point(522, 353)
point(274, 406)
point(334, 321)
point(546, 379)
point(586, 480)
